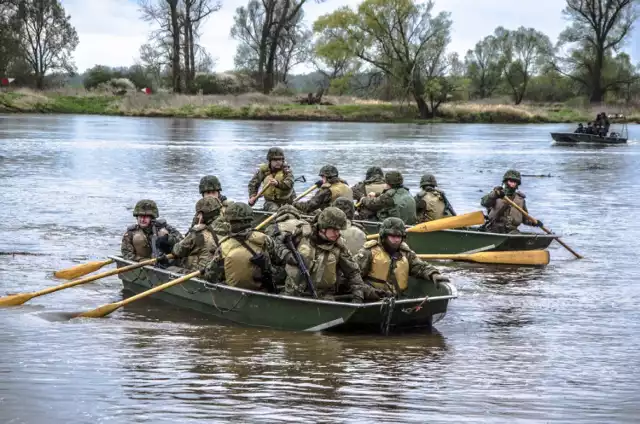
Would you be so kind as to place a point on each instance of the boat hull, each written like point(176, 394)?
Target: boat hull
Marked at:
point(257, 309)
point(573, 138)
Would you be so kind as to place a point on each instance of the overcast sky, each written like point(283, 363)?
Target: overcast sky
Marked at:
point(111, 31)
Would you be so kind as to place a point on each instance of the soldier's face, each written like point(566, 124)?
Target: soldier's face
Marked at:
point(394, 241)
point(331, 234)
point(512, 184)
point(211, 194)
point(144, 220)
point(277, 163)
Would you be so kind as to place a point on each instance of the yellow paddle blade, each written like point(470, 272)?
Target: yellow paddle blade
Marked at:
point(265, 222)
point(100, 312)
point(307, 191)
point(518, 257)
point(15, 300)
point(465, 220)
point(80, 270)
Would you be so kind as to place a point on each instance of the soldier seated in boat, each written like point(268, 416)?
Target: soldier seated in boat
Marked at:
point(373, 183)
point(324, 259)
point(387, 263)
point(354, 235)
point(244, 257)
point(277, 175)
point(394, 201)
point(502, 217)
point(331, 187)
point(431, 202)
point(210, 187)
point(589, 129)
point(150, 236)
point(580, 129)
point(203, 238)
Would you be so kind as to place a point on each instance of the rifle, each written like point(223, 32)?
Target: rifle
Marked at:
point(447, 205)
point(288, 241)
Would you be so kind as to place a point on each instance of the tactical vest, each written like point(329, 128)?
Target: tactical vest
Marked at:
point(303, 228)
point(274, 194)
point(435, 205)
point(376, 188)
point(322, 262)
point(145, 245)
point(509, 217)
point(238, 269)
point(354, 238)
point(205, 245)
point(381, 267)
point(404, 207)
point(339, 189)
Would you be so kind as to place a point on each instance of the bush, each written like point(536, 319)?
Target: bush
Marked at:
point(281, 89)
point(97, 75)
point(221, 84)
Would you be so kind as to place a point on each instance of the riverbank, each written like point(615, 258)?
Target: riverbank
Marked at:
point(261, 107)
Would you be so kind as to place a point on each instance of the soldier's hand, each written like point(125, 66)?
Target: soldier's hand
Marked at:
point(372, 194)
point(499, 191)
point(438, 279)
point(273, 182)
point(252, 200)
point(539, 224)
point(319, 183)
point(163, 244)
point(291, 259)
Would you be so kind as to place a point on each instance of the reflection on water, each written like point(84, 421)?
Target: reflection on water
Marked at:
point(552, 344)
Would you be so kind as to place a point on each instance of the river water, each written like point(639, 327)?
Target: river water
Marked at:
point(553, 344)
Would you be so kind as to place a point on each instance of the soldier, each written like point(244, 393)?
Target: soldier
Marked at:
point(502, 217)
point(431, 202)
point(354, 235)
point(395, 200)
point(210, 187)
point(202, 240)
point(386, 264)
point(243, 258)
point(325, 257)
point(373, 183)
point(331, 188)
point(277, 175)
point(150, 237)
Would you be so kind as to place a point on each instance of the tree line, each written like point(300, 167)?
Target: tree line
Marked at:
point(392, 49)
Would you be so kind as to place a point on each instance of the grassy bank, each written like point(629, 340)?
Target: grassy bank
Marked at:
point(259, 106)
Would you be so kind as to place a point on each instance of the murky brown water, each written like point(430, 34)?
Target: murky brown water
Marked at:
point(558, 344)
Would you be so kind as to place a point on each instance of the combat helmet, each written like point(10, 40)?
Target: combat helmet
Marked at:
point(288, 209)
point(209, 183)
point(239, 212)
point(275, 153)
point(332, 217)
point(428, 180)
point(346, 206)
point(512, 174)
point(146, 207)
point(392, 227)
point(374, 171)
point(328, 171)
point(394, 178)
point(210, 207)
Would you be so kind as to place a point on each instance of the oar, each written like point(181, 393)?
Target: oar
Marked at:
point(546, 230)
point(80, 270)
point(260, 193)
point(465, 220)
point(105, 310)
point(524, 257)
point(307, 191)
point(266, 221)
point(19, 299)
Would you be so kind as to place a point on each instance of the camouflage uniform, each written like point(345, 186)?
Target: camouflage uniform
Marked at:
point(388, 271)
point(142, 243)
point(202, 240)
point(393, 202)
point(211, 183)
point(328, 192)
point(354, 235)
point(373, 183)
point(431, 202)
point(328, 263)
point(243, 258)
point(502, 217)
point(281, 194)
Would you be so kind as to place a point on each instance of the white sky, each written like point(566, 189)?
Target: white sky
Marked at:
point(111, 31)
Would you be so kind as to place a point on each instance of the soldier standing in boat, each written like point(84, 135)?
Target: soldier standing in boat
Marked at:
point(502, 217)
point(331, 187)
point(431, 202)
point(244, 257)
point(373, 183)
point(387, 263)
point(277, 177)
point(210, 187)
point(354, 235)
point(150, 236)
point(394, 201)
point(325, 259)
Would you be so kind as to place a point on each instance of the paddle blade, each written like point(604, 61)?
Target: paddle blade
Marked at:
point(80, 270)
point(15, 300)
point(524, 257)
point(100, 312)
point(465, 220)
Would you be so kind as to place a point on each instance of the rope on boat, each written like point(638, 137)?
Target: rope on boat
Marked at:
point(417, 307)
point(386, 308)
point(222, 310)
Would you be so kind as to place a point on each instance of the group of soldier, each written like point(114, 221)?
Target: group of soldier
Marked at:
point(598, 127)
point(313, 247)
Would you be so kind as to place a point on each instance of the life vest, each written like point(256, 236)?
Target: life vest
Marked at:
point(238, 269)
point(274, 194)
point(435, 205)
point(404, 207)
point(510, 217)
point(381, 268)
point(354, 238)
point(300, 228)
point(204, 246)
point(322, 262)
point(145, 244)
point(377, 188)
point(339, 189)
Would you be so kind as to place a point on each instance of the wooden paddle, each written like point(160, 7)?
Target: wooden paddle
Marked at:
point(260, 193)
point(524, 257)
point(545, 229)
point(19, 299)
point(465, 220)
point(80, 270)
point(309, 190)
point(266, 221)
point(105, 310)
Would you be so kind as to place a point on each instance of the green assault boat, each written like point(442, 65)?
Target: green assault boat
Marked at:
point(257, 309)
point(458, 241)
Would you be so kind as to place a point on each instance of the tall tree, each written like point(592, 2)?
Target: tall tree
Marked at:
point(484, 67)
point(193, 13)
point(47, 38)
point(401, 38)
point(335, 63)
point(597, 27)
